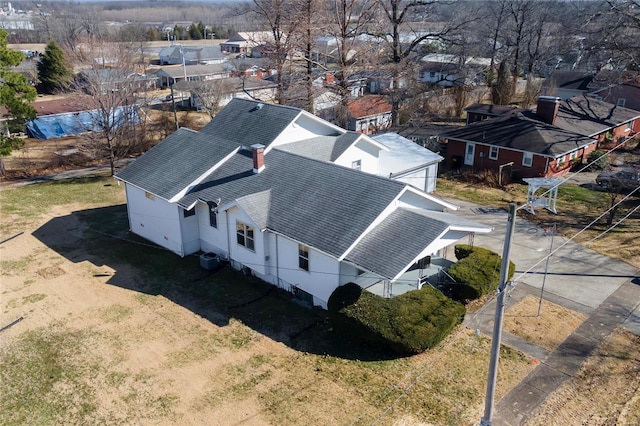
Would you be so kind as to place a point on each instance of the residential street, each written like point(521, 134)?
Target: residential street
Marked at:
point(606, 290)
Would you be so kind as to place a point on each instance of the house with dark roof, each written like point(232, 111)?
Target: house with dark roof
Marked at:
point(169, 75)
point(306, 220)
point(215, 93)
point(191, 55)
point(625, 94)
point(567, 84)
point(540, 143)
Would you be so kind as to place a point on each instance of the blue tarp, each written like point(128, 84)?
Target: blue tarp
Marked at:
point(75, 123)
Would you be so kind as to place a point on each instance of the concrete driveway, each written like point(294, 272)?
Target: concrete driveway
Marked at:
point(575, 273)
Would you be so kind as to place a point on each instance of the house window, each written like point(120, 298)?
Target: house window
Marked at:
point(527, 159)
point(356, 165)
point(493, 153)
point(432, 74)
point(244, 235)
point(149, 195)
point(213, 217)
point(560, 161)
point(190, 212)
point(303, 257)
point(573, 155)
point(621, 102)
point(629, 126)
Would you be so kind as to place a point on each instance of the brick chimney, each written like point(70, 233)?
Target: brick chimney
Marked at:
point(328, 77)
point(547, 109)
point(258, 157)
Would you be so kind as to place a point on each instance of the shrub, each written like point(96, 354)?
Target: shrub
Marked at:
point(407, 324)
point(479, 268)
point(462, 250)
point(597, 160)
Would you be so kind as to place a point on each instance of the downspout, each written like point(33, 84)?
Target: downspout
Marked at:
point(277, 263)
point(226, 212)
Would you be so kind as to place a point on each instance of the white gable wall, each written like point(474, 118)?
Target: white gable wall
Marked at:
point(363, 151)
point(155, 219)
point(305, 126)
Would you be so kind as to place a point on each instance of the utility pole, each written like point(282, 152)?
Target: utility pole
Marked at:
point(497, 325)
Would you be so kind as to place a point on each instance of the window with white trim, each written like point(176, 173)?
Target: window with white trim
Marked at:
point(629, 126)
point(573, 155)
point(213, 216)
point(244, 235)
point(303, 257)
point(356, 165)
point(493, 153)
point(560, 161)
point(527, 159)
point(621, 102)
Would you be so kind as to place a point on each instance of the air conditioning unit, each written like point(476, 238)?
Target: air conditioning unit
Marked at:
point(209, 261)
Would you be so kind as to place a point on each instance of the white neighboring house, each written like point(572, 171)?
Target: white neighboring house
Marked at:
point(452, 70)
point(202, 94)
point(191, 55)
point(238, 188)
point(408, 162)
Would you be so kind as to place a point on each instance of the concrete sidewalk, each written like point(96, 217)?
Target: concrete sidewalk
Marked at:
point(605, 289)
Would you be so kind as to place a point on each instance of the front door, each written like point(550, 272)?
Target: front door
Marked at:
point(469, 154)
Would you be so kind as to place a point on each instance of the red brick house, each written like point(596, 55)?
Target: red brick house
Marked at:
point(543, 143)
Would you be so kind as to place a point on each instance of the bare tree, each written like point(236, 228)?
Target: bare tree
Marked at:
point(349, 18)
point(210, 94)
point(396, 18)
point(281, 17)
point(108, 86)
point(616, 29)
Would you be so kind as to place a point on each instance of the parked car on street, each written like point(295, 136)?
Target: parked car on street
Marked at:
point(622, 180)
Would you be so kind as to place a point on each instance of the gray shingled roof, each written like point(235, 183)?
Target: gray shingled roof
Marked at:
point(521, 133)
point(173, 164)
point(589, 116)
point(249, 122)
point(324, 148)
point(391, 245)
point(321, 204)
point(178, 71)
point(395, 242)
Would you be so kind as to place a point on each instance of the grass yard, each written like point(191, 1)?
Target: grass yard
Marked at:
point(117, 331)
point(606, 391)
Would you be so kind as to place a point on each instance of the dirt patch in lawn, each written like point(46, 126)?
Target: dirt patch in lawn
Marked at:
point(547, 330)
point(606, 391)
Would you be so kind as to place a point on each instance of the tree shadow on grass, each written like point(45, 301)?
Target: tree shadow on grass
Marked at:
point(100, 236)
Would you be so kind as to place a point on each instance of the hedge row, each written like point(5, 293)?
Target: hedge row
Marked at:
point(407, 324)
point(477, 272)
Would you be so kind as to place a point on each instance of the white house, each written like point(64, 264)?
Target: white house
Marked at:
point(451, 70)
point(241, 189)
point(191, 55)
point(408, 162)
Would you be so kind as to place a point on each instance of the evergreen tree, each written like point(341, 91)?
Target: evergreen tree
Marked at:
point(16, 96)
point(54, 71)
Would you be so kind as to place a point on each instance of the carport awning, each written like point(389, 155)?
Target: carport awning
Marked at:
point(404, 236)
